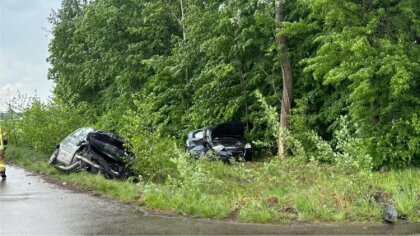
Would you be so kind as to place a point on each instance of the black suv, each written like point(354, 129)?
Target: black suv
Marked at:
point(225, 141)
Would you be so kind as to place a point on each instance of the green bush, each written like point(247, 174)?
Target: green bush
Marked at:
point(43, 126)
point(153, 150)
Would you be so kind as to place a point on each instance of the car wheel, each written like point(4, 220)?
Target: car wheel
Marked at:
point(53, 157)
point(248, 155)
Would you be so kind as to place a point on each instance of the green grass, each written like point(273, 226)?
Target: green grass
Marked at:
point(38, 163)
point(266, 192)
point(189, 202)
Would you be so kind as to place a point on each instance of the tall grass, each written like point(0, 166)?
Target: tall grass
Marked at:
point(267, 192)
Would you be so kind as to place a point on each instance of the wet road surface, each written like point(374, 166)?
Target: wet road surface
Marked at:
point(29, 205)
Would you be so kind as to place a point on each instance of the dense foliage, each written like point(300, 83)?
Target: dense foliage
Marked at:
point(43, 126)
point(153, 70)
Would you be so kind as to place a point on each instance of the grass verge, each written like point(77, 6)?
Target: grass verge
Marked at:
point(272, 192)
point(38, 163)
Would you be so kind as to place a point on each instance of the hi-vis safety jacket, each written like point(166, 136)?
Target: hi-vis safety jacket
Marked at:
point(3, 140)
point(3, 144)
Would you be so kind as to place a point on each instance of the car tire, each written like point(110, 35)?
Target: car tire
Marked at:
point(248, 155)
point(53, 157)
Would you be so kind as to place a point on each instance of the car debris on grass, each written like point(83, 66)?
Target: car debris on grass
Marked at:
point(94, 151)
point(225, 141)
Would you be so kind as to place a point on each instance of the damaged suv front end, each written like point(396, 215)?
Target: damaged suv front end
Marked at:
point(225, 141)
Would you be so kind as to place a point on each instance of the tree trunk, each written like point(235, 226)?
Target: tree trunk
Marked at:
point(184, 29)
point(286, 99)
point(243, 88)
point(184, 34)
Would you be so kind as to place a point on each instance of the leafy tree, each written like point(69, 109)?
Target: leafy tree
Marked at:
point(64, 22)
point(368, 52)
point(104, 57)
point(187, 64)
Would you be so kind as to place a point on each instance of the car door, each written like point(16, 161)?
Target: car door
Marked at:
point(71, 144)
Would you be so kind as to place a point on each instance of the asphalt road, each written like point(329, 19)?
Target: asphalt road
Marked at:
point(29, 205)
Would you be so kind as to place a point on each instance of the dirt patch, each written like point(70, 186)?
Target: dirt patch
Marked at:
point(340, 200)
point(382, 197)
point(290, 210)
point(378, 195)
point(272, 201)
point(234, 215)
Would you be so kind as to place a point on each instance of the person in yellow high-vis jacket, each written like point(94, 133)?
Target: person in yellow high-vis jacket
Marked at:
point(3, 145)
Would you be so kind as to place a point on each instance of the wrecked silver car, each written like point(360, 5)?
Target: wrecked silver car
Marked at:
point(94, 151)
point(225, 141)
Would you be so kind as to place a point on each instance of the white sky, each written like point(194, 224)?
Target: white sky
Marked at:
point(24, 42)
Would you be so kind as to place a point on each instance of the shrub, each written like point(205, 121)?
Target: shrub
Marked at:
point(153, 150)
point(43, 126)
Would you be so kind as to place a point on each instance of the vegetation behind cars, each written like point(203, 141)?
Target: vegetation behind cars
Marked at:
point(178, 68)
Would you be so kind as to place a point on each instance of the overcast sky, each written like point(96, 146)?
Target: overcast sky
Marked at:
point(24, 42)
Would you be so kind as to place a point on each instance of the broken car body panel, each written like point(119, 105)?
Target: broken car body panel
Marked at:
point(94, 151)
point(71, 144)
point(225, 141)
